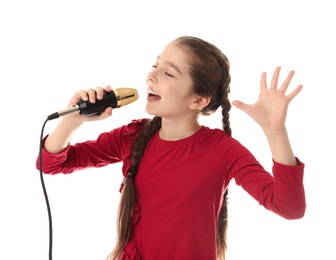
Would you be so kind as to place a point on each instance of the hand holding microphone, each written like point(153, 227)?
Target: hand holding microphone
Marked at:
point(93, 106)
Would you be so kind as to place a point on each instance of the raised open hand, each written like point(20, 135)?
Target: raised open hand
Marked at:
point(270, 110)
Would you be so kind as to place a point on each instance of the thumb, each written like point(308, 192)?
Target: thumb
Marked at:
point(242, 106)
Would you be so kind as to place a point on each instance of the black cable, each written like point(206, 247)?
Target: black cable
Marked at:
point(45, 194)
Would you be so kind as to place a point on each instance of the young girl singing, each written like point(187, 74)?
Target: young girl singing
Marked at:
point(175, 170)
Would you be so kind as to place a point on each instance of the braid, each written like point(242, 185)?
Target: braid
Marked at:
point(226, 107)
point(145, 135)
point(222, 228)
point(128, 195)
point(223, 214)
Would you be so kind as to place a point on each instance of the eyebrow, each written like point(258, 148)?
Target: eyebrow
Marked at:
point(170, 64)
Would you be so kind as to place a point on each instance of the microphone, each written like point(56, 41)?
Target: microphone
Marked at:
point(115, 99)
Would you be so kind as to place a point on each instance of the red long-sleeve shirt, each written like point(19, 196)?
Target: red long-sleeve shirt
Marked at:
point(180, 186)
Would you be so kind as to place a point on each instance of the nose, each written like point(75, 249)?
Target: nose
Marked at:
point(152, 76)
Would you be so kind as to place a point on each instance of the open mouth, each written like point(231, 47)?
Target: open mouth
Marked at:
point(152, 96)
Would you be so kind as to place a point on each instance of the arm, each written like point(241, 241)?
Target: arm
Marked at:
point(270, 113)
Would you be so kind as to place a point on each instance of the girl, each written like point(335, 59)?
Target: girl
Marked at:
point(176, 171)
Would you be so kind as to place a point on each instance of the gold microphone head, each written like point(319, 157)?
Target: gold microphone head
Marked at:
point(125, 96)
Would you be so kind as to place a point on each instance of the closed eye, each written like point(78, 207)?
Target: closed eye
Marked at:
point(167, 73)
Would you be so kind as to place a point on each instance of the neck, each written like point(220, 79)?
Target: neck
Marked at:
point(172, 130)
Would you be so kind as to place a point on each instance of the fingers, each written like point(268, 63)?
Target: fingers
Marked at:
point(91, 94)
point(99, 92)
point(275, 78)
point(295, 92)
point(274, 82)
point(263, 82)
point(284, 86)
point(288, 79)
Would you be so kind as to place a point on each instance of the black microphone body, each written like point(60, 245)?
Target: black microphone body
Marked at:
point(115, 99)
point(87, 109)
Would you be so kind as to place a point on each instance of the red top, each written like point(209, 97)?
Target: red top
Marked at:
point(180, 186)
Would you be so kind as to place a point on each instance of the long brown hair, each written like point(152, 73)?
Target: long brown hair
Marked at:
point(210, 72)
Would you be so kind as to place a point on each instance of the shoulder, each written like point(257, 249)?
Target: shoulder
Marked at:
point(135, 125)
point(129, 131)
point(223, 140)
point(126, 131)
point(215, 133)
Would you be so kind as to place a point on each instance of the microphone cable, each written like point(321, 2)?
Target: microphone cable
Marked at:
point(45, 193)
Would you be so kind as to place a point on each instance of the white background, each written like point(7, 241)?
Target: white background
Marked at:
point(51, 49)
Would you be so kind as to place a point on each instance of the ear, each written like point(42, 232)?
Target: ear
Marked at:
point(199, 103)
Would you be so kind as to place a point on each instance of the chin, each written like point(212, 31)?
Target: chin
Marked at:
point(149, 111)
point(152, 113)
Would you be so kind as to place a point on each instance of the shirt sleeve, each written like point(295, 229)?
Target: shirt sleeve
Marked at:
point(281, 191)
point(109, 147)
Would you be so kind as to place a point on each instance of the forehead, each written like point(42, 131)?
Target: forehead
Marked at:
point(176, 54)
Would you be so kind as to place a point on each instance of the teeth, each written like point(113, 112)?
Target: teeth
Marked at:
point(151, 92)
